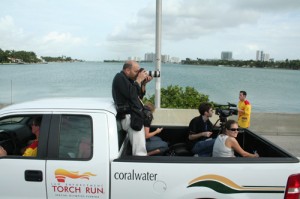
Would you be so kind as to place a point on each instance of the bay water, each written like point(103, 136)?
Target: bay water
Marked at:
point(269, 90)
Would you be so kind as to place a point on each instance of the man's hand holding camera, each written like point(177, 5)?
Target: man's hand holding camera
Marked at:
point(141, 76)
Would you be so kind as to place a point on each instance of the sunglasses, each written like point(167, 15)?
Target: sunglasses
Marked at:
point(233, 129)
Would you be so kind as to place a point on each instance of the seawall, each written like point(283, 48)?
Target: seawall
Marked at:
point(261, 123)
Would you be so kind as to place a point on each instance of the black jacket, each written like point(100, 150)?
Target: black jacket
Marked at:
point(197, 125)
point(125, 93)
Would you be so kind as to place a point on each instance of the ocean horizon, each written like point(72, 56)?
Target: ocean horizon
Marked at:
point(269, 90)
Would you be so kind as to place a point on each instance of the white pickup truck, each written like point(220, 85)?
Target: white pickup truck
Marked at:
point(83, 153)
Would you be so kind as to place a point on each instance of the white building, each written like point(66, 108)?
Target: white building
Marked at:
point(226, 55)
point(134, 58)
point(175, 60)
point(165, 58)
point(261, 56)
point(149, 57)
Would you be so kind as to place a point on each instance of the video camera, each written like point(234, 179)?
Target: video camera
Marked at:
point(226, 110)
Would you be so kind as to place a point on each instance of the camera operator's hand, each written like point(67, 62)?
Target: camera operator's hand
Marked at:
point(147, 79)
point(141, 77)
point(206, 134)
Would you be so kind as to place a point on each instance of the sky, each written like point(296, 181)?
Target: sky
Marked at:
point(95, 30)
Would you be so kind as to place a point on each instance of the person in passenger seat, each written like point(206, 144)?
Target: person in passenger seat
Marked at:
point(226, 144)
point(31, 149)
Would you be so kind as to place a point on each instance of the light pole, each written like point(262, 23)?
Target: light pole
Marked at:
point(158, 51)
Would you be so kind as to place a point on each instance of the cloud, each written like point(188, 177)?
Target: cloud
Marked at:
point(193, 19)
point(238, 25)
point(190, 28)
point(11, 35)
point(62, 39)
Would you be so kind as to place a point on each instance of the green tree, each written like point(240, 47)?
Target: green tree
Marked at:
point(178, 97)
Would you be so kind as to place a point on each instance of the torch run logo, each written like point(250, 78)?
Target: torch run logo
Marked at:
point(80, 189)
point(62, 174)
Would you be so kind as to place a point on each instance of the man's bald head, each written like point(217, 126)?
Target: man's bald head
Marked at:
point(131, 68)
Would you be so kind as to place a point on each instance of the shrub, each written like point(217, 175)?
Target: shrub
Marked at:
point(178, 97)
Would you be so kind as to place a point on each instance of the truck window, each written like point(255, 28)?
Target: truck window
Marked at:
point(75, 137)
point(16, 134)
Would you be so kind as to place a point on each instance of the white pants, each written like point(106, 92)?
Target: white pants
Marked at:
point(137, 138)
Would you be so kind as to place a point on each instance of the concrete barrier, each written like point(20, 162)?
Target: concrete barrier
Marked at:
point(261, 123)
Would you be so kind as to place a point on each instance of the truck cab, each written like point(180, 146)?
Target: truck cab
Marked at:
point(84, 153)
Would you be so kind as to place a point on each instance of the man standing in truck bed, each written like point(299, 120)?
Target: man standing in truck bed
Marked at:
point(126, 89)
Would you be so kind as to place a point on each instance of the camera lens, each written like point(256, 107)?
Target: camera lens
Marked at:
point(154, 73)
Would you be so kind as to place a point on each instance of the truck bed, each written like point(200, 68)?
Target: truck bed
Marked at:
point(176, 137)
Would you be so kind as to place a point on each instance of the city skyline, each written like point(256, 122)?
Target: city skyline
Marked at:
point(95, 30)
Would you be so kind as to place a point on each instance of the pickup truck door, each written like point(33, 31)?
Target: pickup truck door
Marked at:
point(24, 177)
point(78, 164)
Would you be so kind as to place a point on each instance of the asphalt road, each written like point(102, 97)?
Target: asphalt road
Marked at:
point(289, 143)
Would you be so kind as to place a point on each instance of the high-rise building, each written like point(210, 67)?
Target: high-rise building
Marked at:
point(266, 57)
point(165, 58)
point(258, 56)
point(134, 58)
point(149, 57)
point(261, 56)
point(226, 55)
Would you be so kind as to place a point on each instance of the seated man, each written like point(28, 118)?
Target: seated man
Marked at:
point(31, 149)
point(200, 131)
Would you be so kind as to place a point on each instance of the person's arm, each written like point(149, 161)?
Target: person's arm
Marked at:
point(2, 152)
point(149, 134)
point(233, 143)
point(195, 136)
point(142, 91)
point(247, 110)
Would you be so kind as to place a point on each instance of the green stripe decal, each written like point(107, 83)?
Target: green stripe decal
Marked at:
point(224, 185)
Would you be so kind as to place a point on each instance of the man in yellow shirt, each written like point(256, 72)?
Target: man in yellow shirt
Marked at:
point(244, 110)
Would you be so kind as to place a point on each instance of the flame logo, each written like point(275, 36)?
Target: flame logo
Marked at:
point(62, 174)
